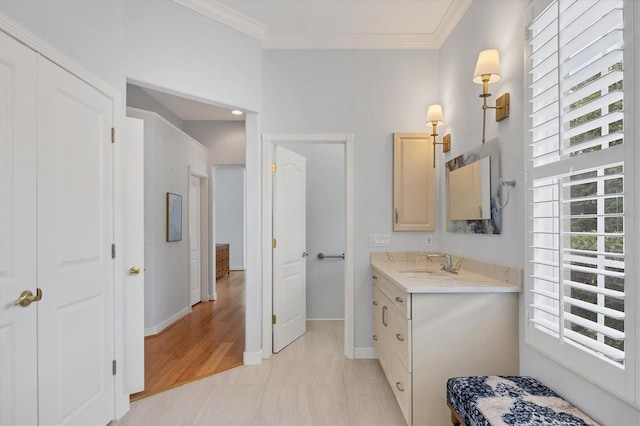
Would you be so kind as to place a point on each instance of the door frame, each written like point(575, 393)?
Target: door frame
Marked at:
point(268, 141)
point(43, 48)
point(204, 237)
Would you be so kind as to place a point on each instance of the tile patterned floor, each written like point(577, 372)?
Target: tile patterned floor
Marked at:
point(308, 383)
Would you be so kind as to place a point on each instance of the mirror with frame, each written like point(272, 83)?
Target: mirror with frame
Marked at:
point(472, 188)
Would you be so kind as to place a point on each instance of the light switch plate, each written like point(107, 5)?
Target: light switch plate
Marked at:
point(379, 240)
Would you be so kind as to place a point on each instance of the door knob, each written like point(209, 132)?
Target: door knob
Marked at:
point(305, 254)
point(26, 298)
point(134, 270)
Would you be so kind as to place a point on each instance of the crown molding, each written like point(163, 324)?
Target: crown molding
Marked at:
point(238, 21)
point(450, 20)
point(228, 16)
point(353, 41)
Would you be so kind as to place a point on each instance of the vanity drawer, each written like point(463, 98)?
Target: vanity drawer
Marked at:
point(398, 296)
point(400, 338)
point(401, 385)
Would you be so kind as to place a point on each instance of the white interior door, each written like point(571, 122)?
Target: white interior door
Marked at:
point(194, 240)
point(18, 333)
point(134, 253)
point(289, 255)
point(75, 236)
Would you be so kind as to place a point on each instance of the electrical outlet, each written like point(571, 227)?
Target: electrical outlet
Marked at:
point(428, 241)
point(379, 240)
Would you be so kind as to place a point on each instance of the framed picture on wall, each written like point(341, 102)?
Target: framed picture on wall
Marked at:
point(174, 217)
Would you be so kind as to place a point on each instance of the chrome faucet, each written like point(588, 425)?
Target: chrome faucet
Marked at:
point(448, 266)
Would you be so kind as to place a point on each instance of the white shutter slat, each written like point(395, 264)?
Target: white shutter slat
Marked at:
point(599, 66)
point(545, 98)
point(594, 86)
point(599, 48)
point(549, 325)
point(602, 141)
point(599, 122)
point(581, 19)
point(597, 290)
point(598, 328)
point(612, 353)
point(601, 103)
point(612, 313)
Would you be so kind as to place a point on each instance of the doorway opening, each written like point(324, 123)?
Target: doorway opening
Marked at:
point(269, 141)
point(207, 337)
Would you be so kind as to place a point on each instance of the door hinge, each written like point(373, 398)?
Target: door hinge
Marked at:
point(274, 243)
point(113, 135)
point(114, 367)
point(113, 251)
point(273, 319)
point(274, 167)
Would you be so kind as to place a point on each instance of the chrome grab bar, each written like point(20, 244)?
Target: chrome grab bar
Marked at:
point(330, 256)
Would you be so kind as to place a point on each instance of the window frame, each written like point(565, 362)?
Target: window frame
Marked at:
point(623, 383)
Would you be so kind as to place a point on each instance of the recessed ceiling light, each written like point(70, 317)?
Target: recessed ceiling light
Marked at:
point(236, 112)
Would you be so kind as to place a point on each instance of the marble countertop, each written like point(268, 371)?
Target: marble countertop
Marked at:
point(412, 272)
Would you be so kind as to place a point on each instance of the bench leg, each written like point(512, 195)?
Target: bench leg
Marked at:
point(455, 418)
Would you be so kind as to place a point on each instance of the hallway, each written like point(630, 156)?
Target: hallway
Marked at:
point(308, 383)
point(205, 342)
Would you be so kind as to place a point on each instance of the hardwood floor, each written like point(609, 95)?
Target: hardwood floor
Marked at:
point(207, 341)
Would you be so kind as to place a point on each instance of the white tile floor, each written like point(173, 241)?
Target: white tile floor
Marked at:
point(308, 383)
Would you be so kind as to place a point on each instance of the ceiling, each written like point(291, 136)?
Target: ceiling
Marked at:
point(322, 24)
point(188, 109)
point(338, 24)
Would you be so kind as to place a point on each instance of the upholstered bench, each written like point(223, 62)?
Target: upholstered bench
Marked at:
point(509, 400)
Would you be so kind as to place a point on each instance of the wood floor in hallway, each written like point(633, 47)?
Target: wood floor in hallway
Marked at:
point(207, 341)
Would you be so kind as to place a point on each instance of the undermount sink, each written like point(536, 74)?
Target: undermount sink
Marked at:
point(422, 273)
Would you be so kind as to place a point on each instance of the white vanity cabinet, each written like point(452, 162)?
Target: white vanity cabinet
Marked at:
point(424, 338)
point(392, 331)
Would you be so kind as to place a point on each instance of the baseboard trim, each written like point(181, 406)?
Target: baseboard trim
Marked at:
point(214, 296)
point(252, 358)
point(365, 353)
point(151, 331)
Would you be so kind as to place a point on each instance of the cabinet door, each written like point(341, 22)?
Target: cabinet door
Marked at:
point(413, 182)
point(18, 374)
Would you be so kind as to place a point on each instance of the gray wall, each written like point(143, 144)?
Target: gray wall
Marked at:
point(229, 212)
point(226, 140)
point(168, 155)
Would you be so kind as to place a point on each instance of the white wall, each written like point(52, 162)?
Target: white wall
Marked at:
point(370, 93)
point(169, 154)
point(172, 47)
point(482, 27)
point(226, 140)
point(91, 33)
point(229, 212)
point(325, 228)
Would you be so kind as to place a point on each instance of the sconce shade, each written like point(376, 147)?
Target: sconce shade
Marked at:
point(434, 113)
point(488, 63)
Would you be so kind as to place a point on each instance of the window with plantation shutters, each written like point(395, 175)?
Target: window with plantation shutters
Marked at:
point(578, 231)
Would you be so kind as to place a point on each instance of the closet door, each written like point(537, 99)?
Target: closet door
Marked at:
point(18, 379)
point(75, 265)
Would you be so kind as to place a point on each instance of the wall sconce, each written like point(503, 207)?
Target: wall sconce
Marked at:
point(488, 71)
point(435, 118)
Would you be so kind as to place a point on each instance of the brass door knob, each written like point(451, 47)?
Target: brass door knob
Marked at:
point(134, 270)
point(26, 298)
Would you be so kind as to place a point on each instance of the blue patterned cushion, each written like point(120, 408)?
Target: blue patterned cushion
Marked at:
point(510, 400)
